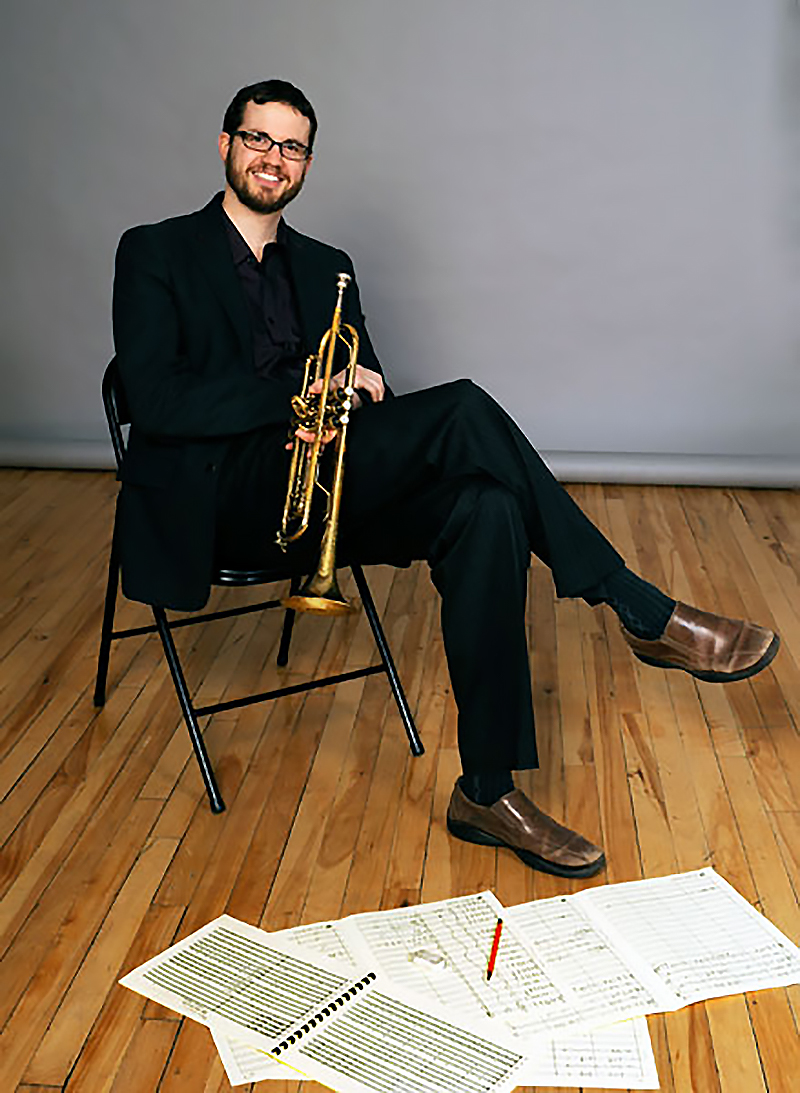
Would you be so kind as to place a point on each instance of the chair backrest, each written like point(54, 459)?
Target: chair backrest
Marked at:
point(116, 408)
point(118, 415)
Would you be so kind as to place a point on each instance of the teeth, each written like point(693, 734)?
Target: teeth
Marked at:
point(269, 177)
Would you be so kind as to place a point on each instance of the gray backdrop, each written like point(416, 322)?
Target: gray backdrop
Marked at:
point(589, 206)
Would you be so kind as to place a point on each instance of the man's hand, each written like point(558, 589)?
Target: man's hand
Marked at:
point(370, 381)
point(308, 437)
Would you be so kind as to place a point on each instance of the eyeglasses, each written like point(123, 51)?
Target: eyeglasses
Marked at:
point(263, 142)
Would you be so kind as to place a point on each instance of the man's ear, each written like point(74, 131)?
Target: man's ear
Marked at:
point(224, 143)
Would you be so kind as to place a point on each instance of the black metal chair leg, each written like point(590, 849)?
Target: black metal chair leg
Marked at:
point(288, 626)
point(386, 656)
point(108, 622)
point(171, 653)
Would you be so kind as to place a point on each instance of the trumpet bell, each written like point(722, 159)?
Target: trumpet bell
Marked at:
point(320, 596)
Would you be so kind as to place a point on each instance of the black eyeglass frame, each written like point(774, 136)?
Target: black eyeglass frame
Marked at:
point(279, 144)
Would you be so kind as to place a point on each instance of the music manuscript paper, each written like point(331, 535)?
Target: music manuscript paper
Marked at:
point(399, 1000)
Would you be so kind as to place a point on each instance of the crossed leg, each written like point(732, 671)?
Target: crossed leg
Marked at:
point(445, 475)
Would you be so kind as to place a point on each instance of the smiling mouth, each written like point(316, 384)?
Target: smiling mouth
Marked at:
point(268, 177)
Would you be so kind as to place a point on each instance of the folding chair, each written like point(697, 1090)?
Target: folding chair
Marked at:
point(117, 415)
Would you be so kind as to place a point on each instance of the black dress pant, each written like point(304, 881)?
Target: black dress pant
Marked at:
point(446, 476)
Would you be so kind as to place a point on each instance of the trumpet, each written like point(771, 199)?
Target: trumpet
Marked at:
point(318, 414)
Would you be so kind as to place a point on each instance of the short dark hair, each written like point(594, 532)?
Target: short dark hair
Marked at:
point(269, 91)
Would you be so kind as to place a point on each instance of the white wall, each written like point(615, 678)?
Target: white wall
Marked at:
point(586, 205)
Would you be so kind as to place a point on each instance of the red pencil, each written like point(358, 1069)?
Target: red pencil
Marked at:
point(495, 946)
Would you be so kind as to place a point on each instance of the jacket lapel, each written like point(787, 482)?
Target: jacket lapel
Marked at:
point(314, 306)
point(212, 253)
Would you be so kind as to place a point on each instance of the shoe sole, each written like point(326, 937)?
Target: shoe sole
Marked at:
point(469, 834)
point(718, 677)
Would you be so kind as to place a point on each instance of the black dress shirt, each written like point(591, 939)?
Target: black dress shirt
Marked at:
point(267, 286)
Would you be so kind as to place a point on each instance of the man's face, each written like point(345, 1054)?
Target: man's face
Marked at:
point(264, 181)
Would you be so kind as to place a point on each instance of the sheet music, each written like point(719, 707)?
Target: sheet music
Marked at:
point(696, 933)
point(237, 970)
point(608, 979)
point(562, 967)
point(384, 1042)
point(325, 939)
point(244, 1063)
point(617, 1057)
point(440, 951)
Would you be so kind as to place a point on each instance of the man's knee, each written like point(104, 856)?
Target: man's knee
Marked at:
point(497, 506)
point(468, 405)
point(483, 540)
point(468, 393)
point(485, 510)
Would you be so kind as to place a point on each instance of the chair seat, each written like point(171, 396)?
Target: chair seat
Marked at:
point(241, 577)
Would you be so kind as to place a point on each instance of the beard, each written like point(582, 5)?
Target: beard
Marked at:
point(256, 199)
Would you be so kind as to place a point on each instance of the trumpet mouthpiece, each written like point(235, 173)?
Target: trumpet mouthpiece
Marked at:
point(343, 281)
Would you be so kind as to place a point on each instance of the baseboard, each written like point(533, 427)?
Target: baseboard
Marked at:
point(79, 455)
point(657, 468)
point(781, 472)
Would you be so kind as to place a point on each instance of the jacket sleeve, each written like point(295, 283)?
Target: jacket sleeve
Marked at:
point(167, 393)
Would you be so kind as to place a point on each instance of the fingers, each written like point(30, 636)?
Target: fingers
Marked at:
point(365, 378)
point(371, 382)
point(336, 381)
point(308, 437)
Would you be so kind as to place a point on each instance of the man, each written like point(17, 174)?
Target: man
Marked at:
point(214, 314)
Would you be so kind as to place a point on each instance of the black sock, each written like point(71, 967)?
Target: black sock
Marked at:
point(487, 787)
point(642, 608)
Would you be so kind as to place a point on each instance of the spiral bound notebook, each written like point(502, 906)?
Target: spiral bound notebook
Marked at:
point(296, 1034)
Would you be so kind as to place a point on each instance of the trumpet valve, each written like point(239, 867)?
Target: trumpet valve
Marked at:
point(304, 407)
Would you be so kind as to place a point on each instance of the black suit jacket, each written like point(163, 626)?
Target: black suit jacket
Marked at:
point(184, 350)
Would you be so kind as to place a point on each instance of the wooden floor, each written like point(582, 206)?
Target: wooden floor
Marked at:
point(110, 852)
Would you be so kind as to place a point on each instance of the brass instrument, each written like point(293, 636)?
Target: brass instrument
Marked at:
point(318, 414)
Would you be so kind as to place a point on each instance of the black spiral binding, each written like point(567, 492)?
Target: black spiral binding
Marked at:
point(326, 1011)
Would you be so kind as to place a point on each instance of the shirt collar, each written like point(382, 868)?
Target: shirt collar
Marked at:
point(239, 247)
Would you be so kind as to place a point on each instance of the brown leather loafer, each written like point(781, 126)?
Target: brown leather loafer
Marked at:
point(710, 647)
point(515, 822)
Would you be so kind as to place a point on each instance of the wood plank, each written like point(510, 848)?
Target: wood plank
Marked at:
point(194, 1063)
point(691, 1050)
point(145, 1059)
point(775, 1032)
point(83, 1000)
point(735, 1050)
point(95, 796)
point(47, 974)
point(109, 1046)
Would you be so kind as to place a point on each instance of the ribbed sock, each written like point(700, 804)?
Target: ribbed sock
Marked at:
point(487, 787)
point(642, 608)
